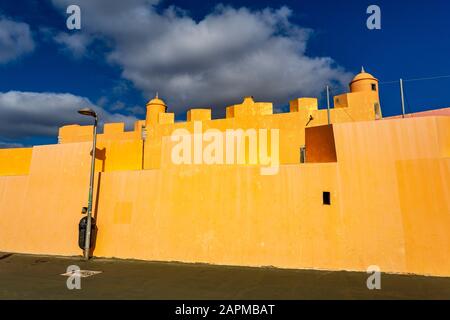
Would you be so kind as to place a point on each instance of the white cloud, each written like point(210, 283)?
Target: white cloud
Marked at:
point(76, 43)
point(15, 39)
point(229, 54)
point(26, 114)
point(10, 145)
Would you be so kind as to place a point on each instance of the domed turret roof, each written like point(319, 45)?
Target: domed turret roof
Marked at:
point(363, 75)
point(156, 101)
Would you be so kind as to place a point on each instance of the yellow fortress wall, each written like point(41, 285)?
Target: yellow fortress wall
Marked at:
point(15, 161)
point(389, 188)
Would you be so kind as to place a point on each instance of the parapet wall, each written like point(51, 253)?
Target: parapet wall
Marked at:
point(15, 161)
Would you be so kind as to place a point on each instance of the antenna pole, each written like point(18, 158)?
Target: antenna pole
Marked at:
point(328, 104)
point(402, 95)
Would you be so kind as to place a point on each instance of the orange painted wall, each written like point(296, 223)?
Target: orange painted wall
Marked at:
point(39, 214)
point(117, 155)
point(246, 219)
point(435, 112)
point(15, 161)
point(389, 190)
point(374, 160)
point(321, 146)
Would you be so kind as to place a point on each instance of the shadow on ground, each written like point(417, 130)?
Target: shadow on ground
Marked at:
point(39, 277)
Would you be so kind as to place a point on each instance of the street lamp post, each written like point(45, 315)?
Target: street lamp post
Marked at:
point(87, 243)
point(328, 104)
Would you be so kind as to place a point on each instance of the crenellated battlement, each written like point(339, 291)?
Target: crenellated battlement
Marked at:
point(360, 104)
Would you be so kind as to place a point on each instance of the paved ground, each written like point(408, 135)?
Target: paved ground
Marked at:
point(38, 277)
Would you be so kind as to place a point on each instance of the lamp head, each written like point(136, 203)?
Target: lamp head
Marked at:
point(87, 112)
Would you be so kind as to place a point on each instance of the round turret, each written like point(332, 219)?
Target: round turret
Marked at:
point(364, 82)
point(157, 102)
point(154, 108)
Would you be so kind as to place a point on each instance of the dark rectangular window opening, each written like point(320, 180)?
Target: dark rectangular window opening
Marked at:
point(374, 87)
point(326, 198)
point(302, 154)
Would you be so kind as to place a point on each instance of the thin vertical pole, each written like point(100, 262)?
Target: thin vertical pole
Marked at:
point(328, 104)
point(144, 137)
point(402, 95)
point(87, 243)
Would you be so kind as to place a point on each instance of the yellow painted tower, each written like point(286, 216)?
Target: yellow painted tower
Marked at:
point(364, 82)
point(154, 108)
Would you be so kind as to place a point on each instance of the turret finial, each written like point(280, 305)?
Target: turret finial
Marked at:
point(157, 97)
point(362, 69)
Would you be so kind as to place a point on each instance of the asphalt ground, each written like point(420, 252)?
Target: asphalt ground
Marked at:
point(39, 277)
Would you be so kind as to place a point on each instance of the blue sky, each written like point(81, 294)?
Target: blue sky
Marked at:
point(208, 54)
